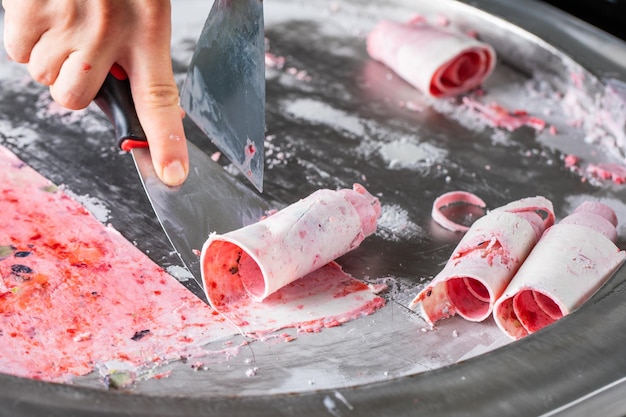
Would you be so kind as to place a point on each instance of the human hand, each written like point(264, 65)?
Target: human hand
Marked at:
point(70, 45)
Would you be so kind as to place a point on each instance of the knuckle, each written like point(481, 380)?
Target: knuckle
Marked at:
point(156, 13)
point(42, 78)
point(161, 95)
point(18, 55)
point(68, 98)
point(15, 48)
point(41, 75)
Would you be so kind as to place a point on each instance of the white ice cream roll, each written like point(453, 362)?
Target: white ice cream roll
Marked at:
point(257, 260)
point(566, 267)
point(438, 61)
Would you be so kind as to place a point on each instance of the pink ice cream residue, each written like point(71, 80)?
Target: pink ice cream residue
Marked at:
point(76, 296)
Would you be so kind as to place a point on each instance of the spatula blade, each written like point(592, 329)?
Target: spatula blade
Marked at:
point(224, 91)
point(210, 200)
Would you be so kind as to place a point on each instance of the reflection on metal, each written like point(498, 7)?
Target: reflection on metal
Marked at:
point(224, 92)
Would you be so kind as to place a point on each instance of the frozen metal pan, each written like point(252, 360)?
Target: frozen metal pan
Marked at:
point(334, 117)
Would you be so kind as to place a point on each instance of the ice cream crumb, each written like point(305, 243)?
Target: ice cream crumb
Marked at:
point(498, 116)
point(571, 161)
point(345, 402)
point(82, 337)
point(613, 171)
point(199, 366)
point(394, 224)
point(331, 406)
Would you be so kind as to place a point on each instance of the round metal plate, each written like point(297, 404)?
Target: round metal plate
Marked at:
point(338, 122)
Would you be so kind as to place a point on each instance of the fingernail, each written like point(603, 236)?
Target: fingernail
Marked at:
point(174, 173)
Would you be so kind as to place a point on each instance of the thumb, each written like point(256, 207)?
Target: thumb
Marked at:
point(156, 101)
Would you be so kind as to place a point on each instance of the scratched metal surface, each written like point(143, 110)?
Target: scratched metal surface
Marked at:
point(339, 127)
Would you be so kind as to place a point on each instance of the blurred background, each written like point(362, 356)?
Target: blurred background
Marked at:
point(609, 15)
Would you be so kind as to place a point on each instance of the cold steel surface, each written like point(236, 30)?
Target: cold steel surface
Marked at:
point(334, 117)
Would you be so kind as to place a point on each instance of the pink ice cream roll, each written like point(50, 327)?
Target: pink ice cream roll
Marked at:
point(259, 259)
point(436, 60)
point(484, 261)
point(568, 265)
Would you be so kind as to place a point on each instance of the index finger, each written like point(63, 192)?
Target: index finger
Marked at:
point(157, 103)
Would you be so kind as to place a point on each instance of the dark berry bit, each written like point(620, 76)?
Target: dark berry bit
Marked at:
point(19, 269)
point(140, 334)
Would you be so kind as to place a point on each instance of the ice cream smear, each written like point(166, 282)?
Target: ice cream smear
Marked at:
point(77, 297)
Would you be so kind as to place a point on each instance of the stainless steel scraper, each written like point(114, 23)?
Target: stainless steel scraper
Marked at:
point(210, 200)
point(224, 92)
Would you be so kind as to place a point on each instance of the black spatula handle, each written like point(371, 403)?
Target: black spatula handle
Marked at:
point(116, 101)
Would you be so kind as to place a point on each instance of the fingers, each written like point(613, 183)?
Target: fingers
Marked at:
point(62, 49)
point(71, 49)
point(156, 100)
point(155, 93)
point(45, 62)
point(79, 79)
point(20, 34)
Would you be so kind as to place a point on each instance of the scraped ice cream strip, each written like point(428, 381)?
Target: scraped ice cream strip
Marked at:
point(79, 294)
point(326, 297)
point(484, 261)
point(608, 171)
point(436, 60)
point(568, 265)
point(257, 260)
point(497, 116)
point(454, 198)
point(77, 297)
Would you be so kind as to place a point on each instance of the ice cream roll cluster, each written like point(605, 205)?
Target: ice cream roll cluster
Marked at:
point(516, 263)
point(485, 260)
